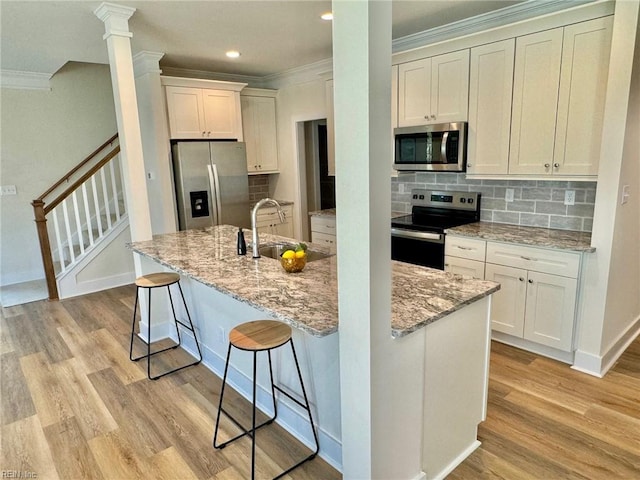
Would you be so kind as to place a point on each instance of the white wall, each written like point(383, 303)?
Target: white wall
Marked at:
point(295, 103)
point(623, 296)
point(609, 303)
point(45, 134)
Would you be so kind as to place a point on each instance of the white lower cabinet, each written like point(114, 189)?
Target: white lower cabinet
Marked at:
point(537, 296)
point(323, 230)
point(268, 221)
point(464, 256)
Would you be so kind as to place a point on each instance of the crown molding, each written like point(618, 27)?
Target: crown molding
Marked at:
point(497, 18)
point(206, 75)
point(305, 73)
point(25, 80)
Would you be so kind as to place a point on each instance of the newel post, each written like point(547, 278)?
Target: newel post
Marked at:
point(45, 248)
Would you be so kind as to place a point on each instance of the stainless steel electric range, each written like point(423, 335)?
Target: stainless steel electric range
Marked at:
point(419, 238)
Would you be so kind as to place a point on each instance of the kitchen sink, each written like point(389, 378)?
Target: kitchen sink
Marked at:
point(274, 250)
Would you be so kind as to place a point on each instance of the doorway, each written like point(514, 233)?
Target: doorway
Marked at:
point(318, 190)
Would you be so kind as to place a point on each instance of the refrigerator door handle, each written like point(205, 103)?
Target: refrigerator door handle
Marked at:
point(215, 193)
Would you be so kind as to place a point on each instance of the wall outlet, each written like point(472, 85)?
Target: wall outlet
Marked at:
point(508, 195)
point(569, 197)
point(222, 336)
point(401, 188)
point(8, 190)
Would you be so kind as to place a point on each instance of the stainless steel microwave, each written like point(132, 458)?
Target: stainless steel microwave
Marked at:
point(441, 147)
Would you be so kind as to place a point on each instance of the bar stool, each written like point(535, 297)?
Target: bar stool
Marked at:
point(259, 336)
point(157, 280)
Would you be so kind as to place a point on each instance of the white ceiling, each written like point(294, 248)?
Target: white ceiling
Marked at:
point(273, 36)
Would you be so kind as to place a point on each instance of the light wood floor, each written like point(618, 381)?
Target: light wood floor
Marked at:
point(74, 407)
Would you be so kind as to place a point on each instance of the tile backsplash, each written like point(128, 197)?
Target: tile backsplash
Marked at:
point(258, 187)
point(536, 203)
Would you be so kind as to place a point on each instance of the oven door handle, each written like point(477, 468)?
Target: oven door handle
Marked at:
point(426, 236)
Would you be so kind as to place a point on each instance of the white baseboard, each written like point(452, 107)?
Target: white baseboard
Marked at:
point(561, 356)
point(599, 365)
point(289, 417)
point(97, 285)
point(456, 461)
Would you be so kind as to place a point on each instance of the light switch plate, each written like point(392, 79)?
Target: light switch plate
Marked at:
point(624, 198)
point(8, 190)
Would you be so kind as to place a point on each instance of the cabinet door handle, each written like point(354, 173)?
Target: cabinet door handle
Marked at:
point(546, 165)
point(530, 281)
point(531, 259)
point(521, 279)
point(556, 165)
point(204, 133)
point(463, 248)
point(469, 165)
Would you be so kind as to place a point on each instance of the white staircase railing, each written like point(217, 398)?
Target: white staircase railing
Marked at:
point(81, 214)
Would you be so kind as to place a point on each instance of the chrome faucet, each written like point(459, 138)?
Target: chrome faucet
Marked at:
point(254, 228)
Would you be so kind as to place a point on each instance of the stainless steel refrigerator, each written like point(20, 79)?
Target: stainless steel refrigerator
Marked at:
point(212, 185)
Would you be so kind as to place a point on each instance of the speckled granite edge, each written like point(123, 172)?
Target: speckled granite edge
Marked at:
point(529, 236)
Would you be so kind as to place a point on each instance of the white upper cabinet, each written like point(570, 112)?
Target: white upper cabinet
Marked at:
point(560, 83)
point(203, 113)
point(434, 90)
point(490, 93)
point(583, 86)
point(260, 135)
point(535, 97)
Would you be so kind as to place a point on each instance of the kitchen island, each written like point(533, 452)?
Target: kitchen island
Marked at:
point(439, 324)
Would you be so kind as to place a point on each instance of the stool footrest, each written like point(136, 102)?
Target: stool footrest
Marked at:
point(276, 387)
point(245, 431)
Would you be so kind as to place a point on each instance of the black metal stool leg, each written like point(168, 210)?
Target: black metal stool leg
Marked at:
point(175, 318)
point(253, 420)
point(133, 326)
point(224, 382)
point(193, 329)
point(149, 338)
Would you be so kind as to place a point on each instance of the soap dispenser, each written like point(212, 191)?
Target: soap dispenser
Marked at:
point(242, 245)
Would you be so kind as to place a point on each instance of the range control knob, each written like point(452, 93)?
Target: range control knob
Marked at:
point(463, 200)
point(415, 196)
point(421, 197)
point(469, 200)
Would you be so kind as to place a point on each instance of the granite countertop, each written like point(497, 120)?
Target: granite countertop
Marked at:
point(331, 212)
point(529, 236)
point(307, 300)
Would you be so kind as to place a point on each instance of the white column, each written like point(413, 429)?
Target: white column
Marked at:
point(362, 66)
point(116, 21)
point(155, 141)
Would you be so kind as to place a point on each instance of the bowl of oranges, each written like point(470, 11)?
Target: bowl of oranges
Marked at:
point(294, 258)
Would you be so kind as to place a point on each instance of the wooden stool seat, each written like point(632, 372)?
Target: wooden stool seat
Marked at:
point(260, 335)
point(153, 280)
point(263, 336)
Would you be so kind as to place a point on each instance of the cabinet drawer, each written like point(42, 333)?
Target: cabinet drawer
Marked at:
point(554, 262)
point(323, 224)
point(462, 247)
point(271, 213)
point(319, 237)
point(463, 266)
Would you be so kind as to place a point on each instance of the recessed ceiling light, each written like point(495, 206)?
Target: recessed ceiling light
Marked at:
point(327, 16)
point(233, 54)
